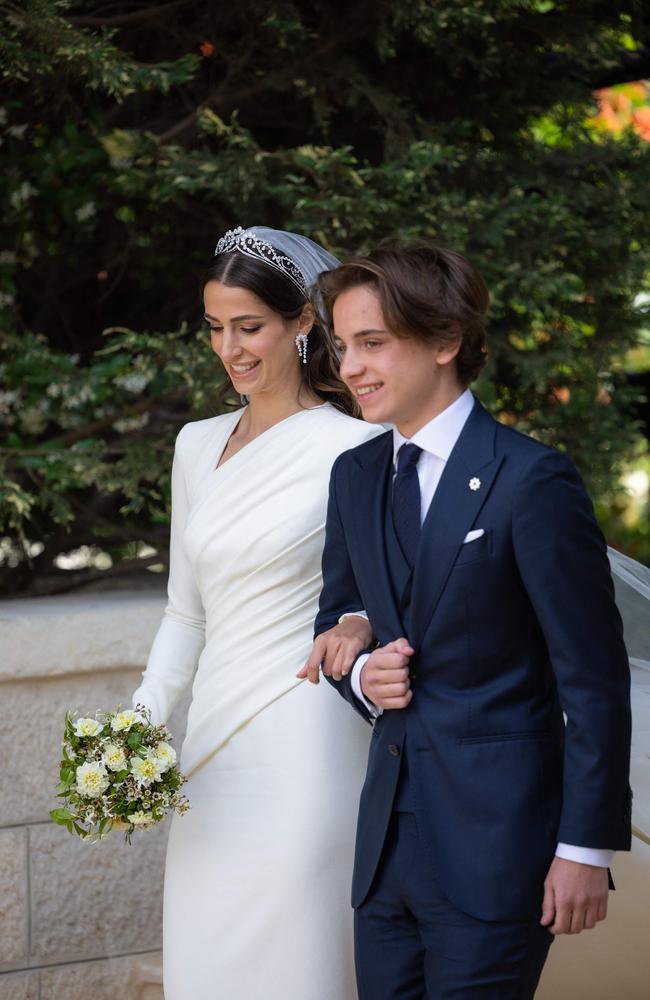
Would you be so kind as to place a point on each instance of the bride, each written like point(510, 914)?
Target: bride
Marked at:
point(256, 899)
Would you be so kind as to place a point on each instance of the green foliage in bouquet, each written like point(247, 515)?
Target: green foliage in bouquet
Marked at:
point(117, 770)
point(131, 138)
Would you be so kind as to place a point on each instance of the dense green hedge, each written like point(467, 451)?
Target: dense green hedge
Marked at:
point(129, 141)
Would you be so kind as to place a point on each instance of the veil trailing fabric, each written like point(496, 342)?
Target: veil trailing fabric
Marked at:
point(632, 585)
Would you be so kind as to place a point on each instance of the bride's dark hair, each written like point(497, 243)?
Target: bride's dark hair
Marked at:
point(278, 292)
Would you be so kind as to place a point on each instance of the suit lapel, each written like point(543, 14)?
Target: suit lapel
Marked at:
point(453, 511)
point(370, 491)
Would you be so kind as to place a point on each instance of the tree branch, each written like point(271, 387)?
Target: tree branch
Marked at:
point(227, 104)
point(97, 426)
point(45, 586)
point(633, 66)
point(121, 20)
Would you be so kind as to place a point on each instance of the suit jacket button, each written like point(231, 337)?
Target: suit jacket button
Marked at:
point(393, 749)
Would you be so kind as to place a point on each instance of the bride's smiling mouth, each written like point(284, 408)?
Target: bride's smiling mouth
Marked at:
point(243, 370)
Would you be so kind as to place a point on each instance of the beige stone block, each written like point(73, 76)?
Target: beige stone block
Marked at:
point(101, 980)
point(19, 986)
point(46, 636)
point(151, 993)
point(95, 900)
point(148, 978)
point(29, 775)
point(13, 896)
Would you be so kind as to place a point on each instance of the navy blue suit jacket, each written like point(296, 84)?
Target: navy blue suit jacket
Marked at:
point(509, 632)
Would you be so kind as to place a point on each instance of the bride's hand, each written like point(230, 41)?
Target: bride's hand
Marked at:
point(337, 649)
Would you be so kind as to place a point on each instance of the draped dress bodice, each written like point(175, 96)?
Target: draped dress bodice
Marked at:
point(245, 573)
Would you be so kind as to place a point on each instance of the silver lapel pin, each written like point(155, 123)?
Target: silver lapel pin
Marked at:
point(475, 483)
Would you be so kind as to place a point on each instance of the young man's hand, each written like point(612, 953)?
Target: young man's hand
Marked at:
point(385, 675)
point(575, 897)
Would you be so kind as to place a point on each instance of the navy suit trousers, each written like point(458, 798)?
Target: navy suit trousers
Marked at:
point(413, 944)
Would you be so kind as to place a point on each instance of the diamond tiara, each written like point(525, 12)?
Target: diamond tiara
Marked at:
point(253, 246)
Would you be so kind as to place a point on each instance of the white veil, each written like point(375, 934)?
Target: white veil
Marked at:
point(311, 258)
point(632, 585)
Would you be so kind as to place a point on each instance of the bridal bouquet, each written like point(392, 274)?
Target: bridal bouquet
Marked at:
point(118, 771)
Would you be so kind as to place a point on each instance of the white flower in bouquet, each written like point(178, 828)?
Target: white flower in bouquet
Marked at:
point(115, 758)
point(146, 769)
point(166, 755)
point(92, 780)
point(87, 727)
point(122, 721)
point(141, 818)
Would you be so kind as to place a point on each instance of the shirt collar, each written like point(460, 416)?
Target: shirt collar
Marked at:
point(439, 436)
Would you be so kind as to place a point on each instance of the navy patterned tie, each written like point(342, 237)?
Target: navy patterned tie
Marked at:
point(406, 501)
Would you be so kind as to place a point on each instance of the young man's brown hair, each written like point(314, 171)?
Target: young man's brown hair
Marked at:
point(426, 292)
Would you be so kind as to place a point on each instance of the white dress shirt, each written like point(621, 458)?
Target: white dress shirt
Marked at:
point(437, 440)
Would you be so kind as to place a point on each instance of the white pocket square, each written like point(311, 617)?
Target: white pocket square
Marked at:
point(471, 536)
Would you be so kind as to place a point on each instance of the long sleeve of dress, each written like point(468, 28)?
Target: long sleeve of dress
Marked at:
point(181, 636)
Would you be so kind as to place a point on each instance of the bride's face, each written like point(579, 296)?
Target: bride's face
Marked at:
point(255, 344)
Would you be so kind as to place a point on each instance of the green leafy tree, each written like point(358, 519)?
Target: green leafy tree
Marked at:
point(132, 136)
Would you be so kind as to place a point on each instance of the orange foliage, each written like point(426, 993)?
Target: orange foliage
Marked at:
point(562, 393)
point(641, 122)
point(624, 106)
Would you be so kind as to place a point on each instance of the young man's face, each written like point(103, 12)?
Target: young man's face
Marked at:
point(396, 380)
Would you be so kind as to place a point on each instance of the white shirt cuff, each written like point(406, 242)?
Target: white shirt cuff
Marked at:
point(353, 614)
point(355, 679)
point(600, 858)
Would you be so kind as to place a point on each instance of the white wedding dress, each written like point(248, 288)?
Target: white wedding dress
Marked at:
point(258, 871)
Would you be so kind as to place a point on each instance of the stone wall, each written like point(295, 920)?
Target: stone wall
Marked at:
point(76, 919)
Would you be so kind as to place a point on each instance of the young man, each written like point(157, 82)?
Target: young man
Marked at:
point(486, 823)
